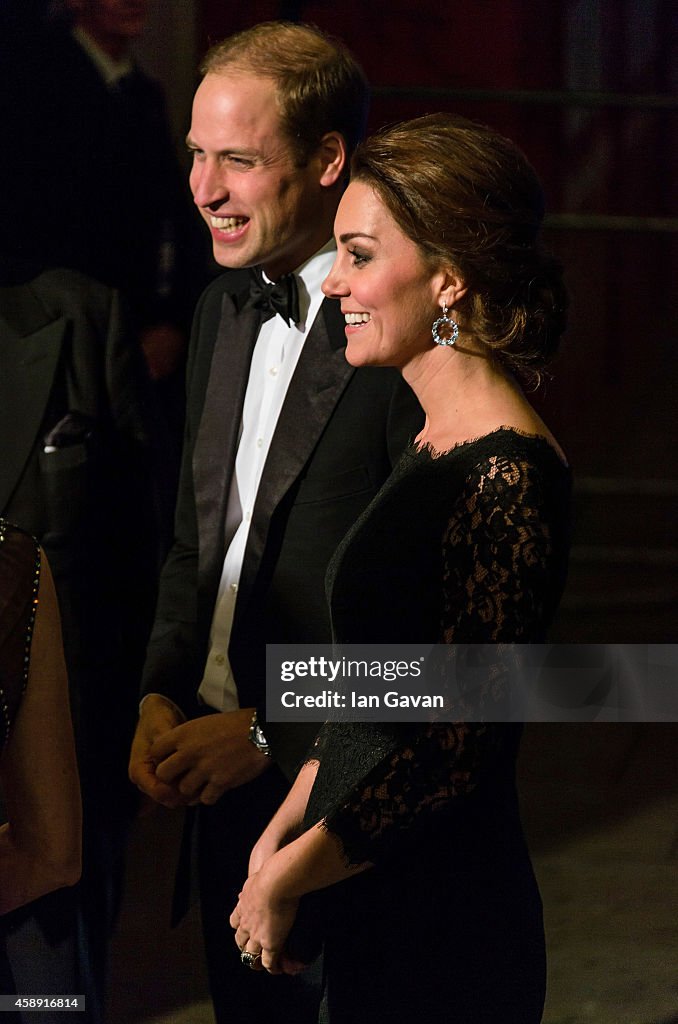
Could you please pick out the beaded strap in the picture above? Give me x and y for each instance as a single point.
(5, 709)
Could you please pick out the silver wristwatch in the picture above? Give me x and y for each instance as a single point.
(256, 736)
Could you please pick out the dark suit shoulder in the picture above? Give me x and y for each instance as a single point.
(231, 282)
(53, 294)
(206, 319)
(334, 322)
(63, 288)
(56, 71)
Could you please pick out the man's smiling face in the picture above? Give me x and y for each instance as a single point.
(260, 206)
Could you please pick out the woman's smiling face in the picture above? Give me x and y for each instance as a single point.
(389, 295)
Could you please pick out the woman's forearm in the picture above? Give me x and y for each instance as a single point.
(287, 822)
(282, 869)
(313, 861)
(268, 902)
(288, 818)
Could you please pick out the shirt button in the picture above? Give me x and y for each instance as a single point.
(260, 442)
(248, 516)
(273, 371)
(219, 658)
(234, 588)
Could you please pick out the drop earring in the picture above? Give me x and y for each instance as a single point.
(449, 327)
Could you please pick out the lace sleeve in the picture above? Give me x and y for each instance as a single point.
(496, 551)
(317, 748)
(497, 556)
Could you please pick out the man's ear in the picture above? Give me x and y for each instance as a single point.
(332, 156)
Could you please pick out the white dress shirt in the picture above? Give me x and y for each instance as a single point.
(275, 357)
(110, 70)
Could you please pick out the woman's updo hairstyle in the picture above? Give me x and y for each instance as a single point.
(468, 198)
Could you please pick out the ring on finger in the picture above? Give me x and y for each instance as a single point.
(249, 959)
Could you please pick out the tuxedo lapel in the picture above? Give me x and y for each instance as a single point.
(27, 367)
(219, 431)
(320, 377)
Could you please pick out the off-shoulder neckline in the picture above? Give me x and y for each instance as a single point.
(427, 450)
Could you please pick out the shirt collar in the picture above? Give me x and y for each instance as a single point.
(310, 275)
(110, 70)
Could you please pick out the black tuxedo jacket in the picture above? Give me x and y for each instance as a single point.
(83, 490)
(339, 433)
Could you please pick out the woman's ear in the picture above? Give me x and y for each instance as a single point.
(332, 153)
(453, 289)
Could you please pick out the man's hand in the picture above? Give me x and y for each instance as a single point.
(158, 716)
(203, 758)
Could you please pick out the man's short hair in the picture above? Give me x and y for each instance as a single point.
(319, 84)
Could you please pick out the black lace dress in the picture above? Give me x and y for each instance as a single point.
(465, 547)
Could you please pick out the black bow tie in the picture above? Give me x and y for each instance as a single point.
(281, 297)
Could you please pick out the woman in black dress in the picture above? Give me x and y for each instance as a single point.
(40, 841)
(411, 832)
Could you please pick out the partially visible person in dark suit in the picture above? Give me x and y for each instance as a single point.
(76, 474)
(91, 181)
(285, 446)
(94, 182)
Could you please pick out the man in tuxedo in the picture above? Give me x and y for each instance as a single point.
(285, 446)
(76, 456)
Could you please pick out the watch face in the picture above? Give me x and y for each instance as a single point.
(258, 739)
